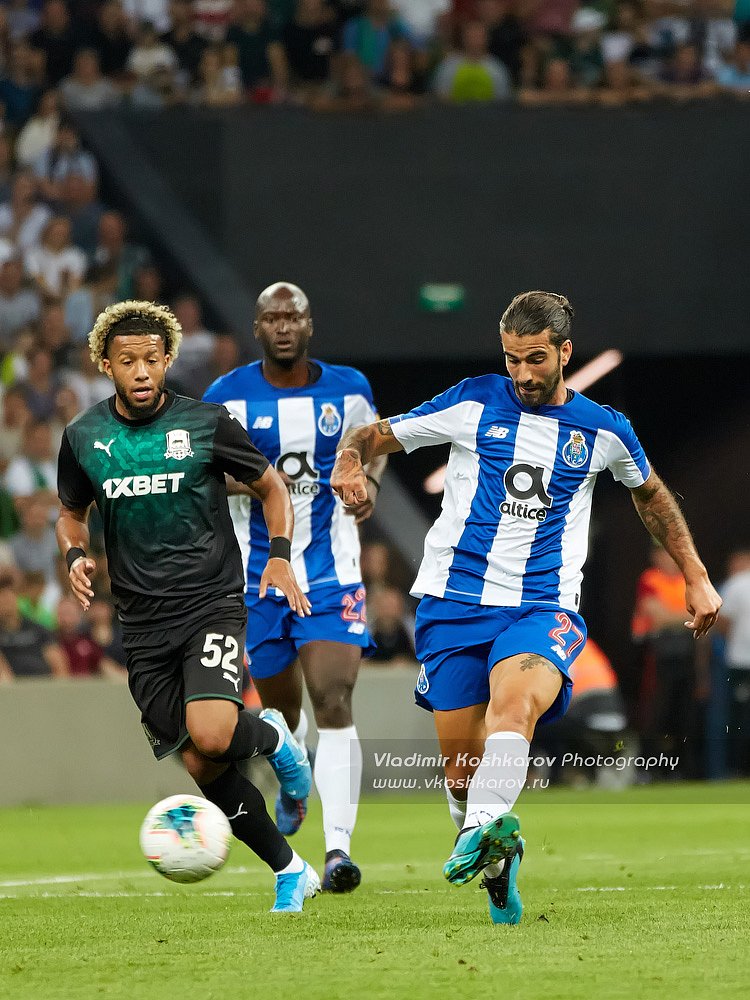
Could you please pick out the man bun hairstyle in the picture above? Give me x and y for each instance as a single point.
(133, 317)
(532, 312)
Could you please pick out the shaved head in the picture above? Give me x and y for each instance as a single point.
(282, 291)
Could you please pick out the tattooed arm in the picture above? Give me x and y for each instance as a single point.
(358, 448)
(664, 521)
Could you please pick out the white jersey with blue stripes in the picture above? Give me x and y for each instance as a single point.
(298, 431)
(518, 488)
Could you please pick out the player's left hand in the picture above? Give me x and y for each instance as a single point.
(279, 573)
(703, 603)
(364, 510)
(348, 479)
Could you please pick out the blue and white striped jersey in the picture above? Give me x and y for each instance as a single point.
(518, 488)
(298, 431)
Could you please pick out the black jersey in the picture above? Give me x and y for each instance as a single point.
(159, 485)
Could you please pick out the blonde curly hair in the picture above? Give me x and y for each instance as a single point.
(135, 317)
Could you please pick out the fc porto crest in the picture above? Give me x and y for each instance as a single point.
(178, 445)
(423, 684)
(329, 421)
(576, 452)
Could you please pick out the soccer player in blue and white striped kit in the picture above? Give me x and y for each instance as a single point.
(295, 410)
(498, 624)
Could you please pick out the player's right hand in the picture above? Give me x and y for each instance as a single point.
(348, 479)
(80, 580)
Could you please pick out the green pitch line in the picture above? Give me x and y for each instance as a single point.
(642, 894)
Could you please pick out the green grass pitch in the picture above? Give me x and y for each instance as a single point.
(637, 894)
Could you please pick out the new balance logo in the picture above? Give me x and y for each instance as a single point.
(497, 432)
(141, 486)
(263, 423)
(98, 446)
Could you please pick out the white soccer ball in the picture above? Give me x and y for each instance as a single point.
(186, 838)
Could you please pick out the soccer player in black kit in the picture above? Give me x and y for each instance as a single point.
(154, 463)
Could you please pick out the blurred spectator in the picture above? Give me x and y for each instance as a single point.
(38, 134)
(263, 62)
(56, 265)
(87, 382)
(192, 367)
(58, 38)
(85, 656)
(15, 416)
(350, 89)
(226, 356)
(116, 261)
(26, 649)
(310, 41)
(218, 85)
(668, 686)
(6, 168)
(369, 36)
(22, 218)
(585, 54)
(375, 563)
(507, 36)
(20, 85)
(86, 89)
(150, 54)
(423, 18)
(157, 91)
(212, 18)
(558, 87)
(64, 157)
(22, 18)
(387, 613)
(106, 629)
(154, 12)
(54, 335)
(111, 40)
(734, 622)
(67, 408)
(19, 306)
(551, 19)
(403, 85)
(734, 75)
(33, 472)
(37, 599)
(622, 85)
(41, 384)
(148, 283)
(34, 548)
(471, 73)
(684, 77)
(187, 46)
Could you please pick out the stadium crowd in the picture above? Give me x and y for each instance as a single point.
(358, 55)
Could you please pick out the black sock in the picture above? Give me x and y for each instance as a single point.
(251, 736)
(243, 805)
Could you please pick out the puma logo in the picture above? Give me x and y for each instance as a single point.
(234, 680)
(98, 446)
(240, 812)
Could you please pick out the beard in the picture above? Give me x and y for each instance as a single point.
(542, 391)
(136, 410)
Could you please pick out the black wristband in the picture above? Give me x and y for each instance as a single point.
(72, 554)
(281, 548)
(371, 479)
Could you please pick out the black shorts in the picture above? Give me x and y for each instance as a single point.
(168, 667)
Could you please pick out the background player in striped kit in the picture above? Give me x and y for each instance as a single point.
(498, 624)
(295, 411)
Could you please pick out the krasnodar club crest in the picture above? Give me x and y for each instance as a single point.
(178, 445)
(575, 453)
(329, 421)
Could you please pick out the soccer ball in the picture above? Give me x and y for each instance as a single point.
(186, 838)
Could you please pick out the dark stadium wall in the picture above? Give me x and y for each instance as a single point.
(637, 216)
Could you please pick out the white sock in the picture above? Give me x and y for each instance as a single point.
(499, 779)
(338, 776)
(295, 865)
(300, 733)
(457, 808)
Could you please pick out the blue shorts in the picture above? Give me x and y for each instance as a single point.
(458, 645)
(275, 633)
